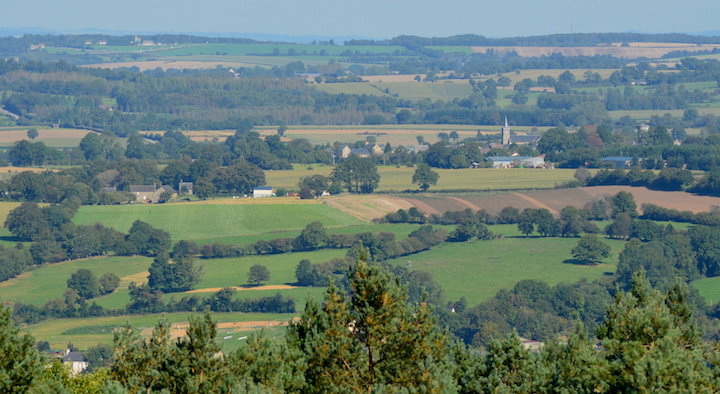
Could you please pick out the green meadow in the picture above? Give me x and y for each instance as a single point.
(42, 284)
(198, 221)
(477, 270)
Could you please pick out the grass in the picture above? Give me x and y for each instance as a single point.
(219, 218)
(399, 179)
(50, 281)
(233, 271)
(478, 270)
(709, 288)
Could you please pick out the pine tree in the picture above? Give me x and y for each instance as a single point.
(371, 339)
(652, 343)
(20, 363)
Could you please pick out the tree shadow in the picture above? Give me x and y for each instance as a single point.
(580, 262)
(10, 238)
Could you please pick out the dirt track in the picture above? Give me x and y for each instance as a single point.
(242, 288)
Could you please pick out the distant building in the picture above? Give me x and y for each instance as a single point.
(143, 193)
(185, 188)
(517, 161)
(75, 361)
(506, 133)
(259, 192)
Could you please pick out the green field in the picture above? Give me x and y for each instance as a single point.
(202, 221)
(50, 281)
(478, 269)
(399, 179)
(709, 288)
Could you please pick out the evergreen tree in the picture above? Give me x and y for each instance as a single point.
(371, 339)
(20, 363)
(651, 342)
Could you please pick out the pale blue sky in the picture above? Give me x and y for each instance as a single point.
(369, 18)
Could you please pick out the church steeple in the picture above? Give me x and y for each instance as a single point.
(506, 133)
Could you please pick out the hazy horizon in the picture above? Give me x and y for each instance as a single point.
(373, 19)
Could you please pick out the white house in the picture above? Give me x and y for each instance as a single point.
(75, 361)
(259, 192)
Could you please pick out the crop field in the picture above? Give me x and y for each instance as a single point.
(87, 332)
(478, 269)
(400, 178)
(52, 137)
(217, 218)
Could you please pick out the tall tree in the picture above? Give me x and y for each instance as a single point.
(424, 176)
(370, 338)
(356, 174)
(258, 273)
(21, 364)
(652, 344)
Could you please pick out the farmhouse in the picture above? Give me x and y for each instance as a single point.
(259, 192)
(75, 361)
(143, 193)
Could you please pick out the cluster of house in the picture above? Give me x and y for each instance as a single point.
(153, 194)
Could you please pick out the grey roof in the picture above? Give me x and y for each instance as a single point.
(169, 188)
(266, 188)
(360, 151)
(528, 139)
(74, 357)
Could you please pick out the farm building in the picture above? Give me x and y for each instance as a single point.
(517, 161)
(143, 193)
(259, 192)
(185, 188)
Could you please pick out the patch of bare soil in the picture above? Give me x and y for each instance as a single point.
(243, 288)
(368, 207)
(556, 199)
(180, 329)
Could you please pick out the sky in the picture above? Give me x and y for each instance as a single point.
(369, 18)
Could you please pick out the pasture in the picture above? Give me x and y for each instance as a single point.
(478, 269)
(44, 283)
(206, 220)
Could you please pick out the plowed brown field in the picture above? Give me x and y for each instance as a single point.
(376, 206)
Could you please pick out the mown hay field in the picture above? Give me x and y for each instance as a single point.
(481, 179)
(87, 332)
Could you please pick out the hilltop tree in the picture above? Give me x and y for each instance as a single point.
(424, 176)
